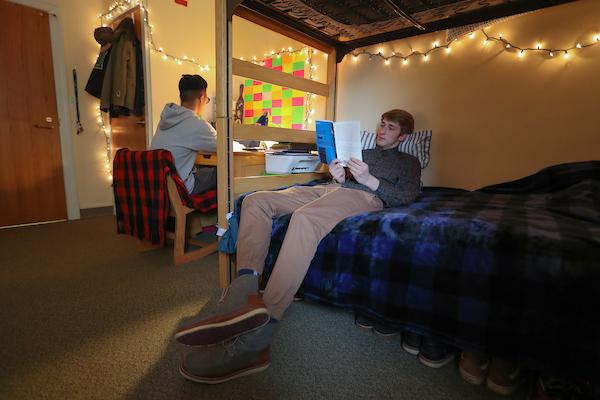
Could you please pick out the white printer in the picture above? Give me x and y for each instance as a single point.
(290, 162)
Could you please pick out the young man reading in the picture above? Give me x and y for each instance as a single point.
(243, 322)
(183, 132)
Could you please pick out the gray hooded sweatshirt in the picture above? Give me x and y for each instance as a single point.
(183, 133)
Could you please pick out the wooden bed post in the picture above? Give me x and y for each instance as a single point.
(332, 83)
(230, 186)
(223, 16)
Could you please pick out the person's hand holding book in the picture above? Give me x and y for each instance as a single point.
(337, 171)
(360, 172)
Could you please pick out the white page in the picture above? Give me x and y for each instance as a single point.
(347, 140)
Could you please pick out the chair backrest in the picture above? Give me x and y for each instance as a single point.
(141, 199)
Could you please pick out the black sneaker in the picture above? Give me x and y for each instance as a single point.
(385, 331)
(435, 353)
(364, 322)
(411, 342)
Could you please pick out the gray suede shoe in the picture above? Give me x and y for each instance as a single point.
(246, 354)
(239, 310)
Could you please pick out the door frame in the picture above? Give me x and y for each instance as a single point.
(62, 102)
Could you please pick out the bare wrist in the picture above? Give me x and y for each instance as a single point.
(372, 183)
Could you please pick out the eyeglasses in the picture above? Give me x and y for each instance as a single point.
(207, 100)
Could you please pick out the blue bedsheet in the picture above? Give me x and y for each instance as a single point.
(512, 269)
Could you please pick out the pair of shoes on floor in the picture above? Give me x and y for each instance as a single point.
(233, 341)
(431, 352)
(501, 376)
(378, 328)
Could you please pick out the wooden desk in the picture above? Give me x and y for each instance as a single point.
(245, 163)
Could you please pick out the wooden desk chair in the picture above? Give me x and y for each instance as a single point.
(186, 227)
(147, 190)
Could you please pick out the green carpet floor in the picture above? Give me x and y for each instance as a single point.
(85, 316)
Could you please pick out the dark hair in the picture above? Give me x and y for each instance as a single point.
(402, 118)
(191, 87)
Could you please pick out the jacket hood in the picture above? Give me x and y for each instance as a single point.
(174, 114)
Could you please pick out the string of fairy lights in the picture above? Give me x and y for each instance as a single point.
(507, 45)
(106, 130)
(118, 7)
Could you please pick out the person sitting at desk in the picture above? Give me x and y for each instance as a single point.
(183, 132)
(243, 322)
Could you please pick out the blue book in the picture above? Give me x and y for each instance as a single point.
(338, 140)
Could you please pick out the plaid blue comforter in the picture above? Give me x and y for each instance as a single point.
(512, 269)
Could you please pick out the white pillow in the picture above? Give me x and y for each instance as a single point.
(416, 144)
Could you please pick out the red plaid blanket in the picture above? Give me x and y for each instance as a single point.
(141, 198)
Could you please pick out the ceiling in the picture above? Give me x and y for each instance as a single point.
(348, 24)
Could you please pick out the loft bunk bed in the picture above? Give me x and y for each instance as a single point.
(506, 285)
(336, 28)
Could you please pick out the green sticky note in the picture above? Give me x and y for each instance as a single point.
(297, 114)
(287, 94)
(248, 97)
(276, 112)
(267, 87)
(299, 66)
(266, 104)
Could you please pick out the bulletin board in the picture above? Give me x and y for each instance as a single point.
(284, 105)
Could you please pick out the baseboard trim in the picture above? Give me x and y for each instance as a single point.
(96, 212)
(33, 224)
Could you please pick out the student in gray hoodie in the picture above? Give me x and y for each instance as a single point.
(183, 132)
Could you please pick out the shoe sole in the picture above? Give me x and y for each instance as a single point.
(470, 378)
(410, 349)
(363, 326)
(203, 334)
(221, 379)
(385, 335)
(500, 389)
(434, 364)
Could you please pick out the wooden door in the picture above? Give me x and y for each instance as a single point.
(31, 174)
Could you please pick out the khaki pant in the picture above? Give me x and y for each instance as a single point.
(316, 211)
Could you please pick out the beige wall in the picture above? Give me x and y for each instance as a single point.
(495, 117)
(78, 24)
(181, 31)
